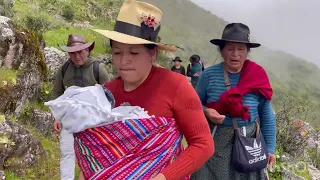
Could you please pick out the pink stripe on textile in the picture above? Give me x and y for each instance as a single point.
(134, 149)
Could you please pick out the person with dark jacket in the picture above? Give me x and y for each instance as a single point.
(178, 68)
(79, 70)
(194, 69)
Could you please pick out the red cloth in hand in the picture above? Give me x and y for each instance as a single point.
(254, 79)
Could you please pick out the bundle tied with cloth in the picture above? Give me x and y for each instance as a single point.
(115, 143)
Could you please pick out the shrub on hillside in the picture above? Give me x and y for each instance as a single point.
(45, 92)
(68, 12)
(37, 23)
(292, 134)
(291, 115)
(6, 8)
(162, 59)
(314, 153)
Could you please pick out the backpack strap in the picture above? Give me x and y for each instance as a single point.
(96, 70)
(228, 86)
(258, 127)
(65, 67)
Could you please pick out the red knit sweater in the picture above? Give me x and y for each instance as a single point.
(168, 94)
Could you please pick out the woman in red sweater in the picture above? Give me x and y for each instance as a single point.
(159, 91)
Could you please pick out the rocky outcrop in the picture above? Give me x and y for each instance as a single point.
(22, 58)
(20, 51)
(42, 121)
(314, 173)
(289, 175)
(6, 36)
(19, 150)
(54, 59)
(107, 61)
(2, 175)
(169, 57)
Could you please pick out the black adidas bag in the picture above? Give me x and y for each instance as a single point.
(249, 154)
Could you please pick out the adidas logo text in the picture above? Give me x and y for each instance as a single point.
(257, 159)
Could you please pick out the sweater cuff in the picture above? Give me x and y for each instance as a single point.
(204, 107)
(271, 150)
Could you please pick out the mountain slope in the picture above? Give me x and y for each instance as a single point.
(190, 26)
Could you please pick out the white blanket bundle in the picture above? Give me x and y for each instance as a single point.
(80, 108)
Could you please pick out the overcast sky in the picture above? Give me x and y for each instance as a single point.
(289, 25)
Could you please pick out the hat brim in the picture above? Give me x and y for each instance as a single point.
(127, 39)
(222, 41)
(177, 60)
(80, 47)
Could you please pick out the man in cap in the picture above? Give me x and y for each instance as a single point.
(79, 70)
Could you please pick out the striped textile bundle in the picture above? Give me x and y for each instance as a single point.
(133, 149)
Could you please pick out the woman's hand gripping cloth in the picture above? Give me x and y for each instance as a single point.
(133, 149)
(254, 79)
(80, 108)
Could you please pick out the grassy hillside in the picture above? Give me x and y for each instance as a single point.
(191, 27)
(56, 19)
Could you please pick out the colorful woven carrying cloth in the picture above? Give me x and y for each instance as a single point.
(133, 149)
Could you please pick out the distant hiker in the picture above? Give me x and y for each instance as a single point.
(194, 58)
(194, 69)
(148, 148)
(79, 70)
(178, 68)
(236, 96)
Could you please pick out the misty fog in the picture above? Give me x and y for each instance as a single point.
(289, 25)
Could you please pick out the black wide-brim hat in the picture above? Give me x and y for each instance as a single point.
(235, 32)
(177, 59)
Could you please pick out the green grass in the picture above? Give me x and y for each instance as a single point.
(2, 118)
(11, 176)
(56, 24)
(29, 106)
(7, 75)
(60, 36)
(304, 174)
(48, 167)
